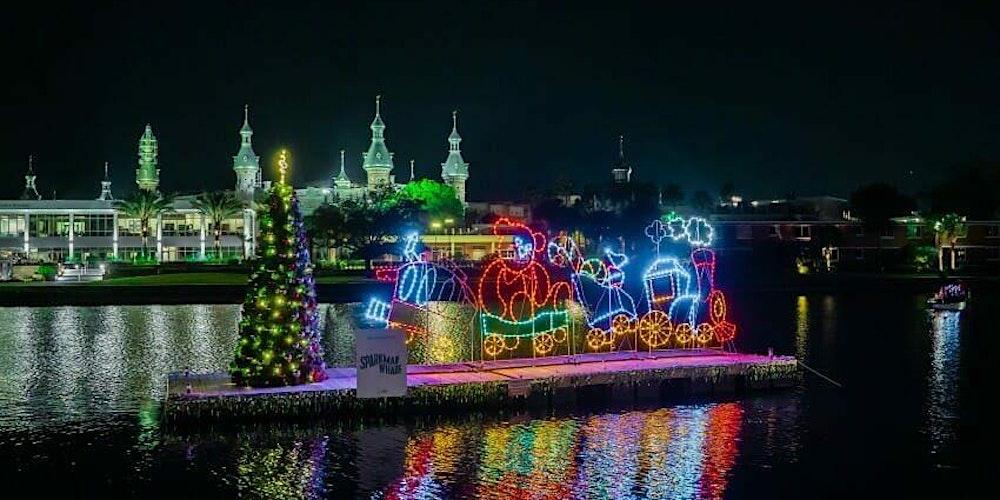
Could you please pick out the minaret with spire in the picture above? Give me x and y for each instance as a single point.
(106, 186)
(246, 163)
(342, 182)
(147, 176)
(454, 170)
(30, 191)
(378, 159)
(621, 171)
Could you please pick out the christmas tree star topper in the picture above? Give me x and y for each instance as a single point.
(282, 166)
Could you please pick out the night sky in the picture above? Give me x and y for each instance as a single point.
(780, 99)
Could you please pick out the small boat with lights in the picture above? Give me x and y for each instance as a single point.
(950, 297)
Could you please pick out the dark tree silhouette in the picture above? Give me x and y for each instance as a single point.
(672, 195)
(727, 190)
(702, 201)
(876, 204)
(972, 190)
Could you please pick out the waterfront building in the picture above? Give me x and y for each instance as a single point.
(65, 229)
(492, 210)
(60, 230)
(822, 228)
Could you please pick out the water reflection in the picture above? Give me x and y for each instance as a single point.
(81, 385)
(682, 452)
(829, 326)
(63, 364)
(338, 324)
(533, 459)
(801, 327)
(294, 471)
(942, 391)
(816, 327)
(16, 362)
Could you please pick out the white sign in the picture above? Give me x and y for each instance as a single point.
(381, 363)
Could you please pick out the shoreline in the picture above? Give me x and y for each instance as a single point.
(63, 294)
(87, 294)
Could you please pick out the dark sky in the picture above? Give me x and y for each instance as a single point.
(791, 98)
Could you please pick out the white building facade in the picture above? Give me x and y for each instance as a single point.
(64, 230)
(60, 230)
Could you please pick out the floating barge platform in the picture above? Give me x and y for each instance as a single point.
(553, 380)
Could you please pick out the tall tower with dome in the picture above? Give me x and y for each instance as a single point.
(246, 163)
(378, 160)
(147, 176)
(454, 170)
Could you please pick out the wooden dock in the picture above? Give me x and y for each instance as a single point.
(489, 383)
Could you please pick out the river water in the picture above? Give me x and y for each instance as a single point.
(79, 392)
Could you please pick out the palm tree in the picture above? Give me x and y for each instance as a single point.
(144, 205)
(947, 230)
(827, 237)
(218, 206)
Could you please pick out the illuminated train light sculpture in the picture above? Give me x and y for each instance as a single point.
(418, 283)
(682, 300)
(519, 299)
(523, 296)
(599, 286)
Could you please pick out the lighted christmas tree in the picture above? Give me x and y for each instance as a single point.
(279, 338)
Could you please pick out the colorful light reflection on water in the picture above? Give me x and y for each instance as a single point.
(79, 390)
(682, 452)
